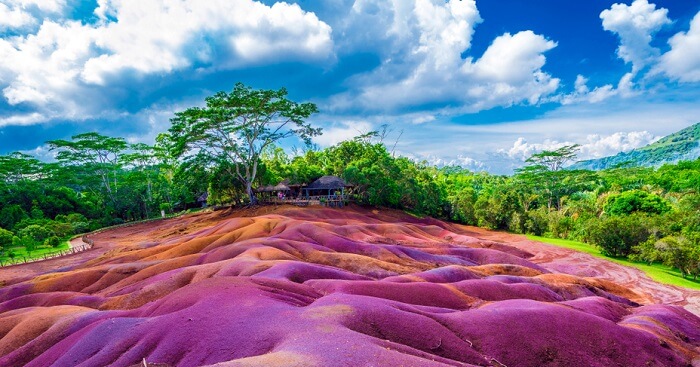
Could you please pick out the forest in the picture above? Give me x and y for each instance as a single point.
(644, 214)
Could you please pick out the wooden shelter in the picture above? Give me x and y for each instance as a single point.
(327, 190)
(331, 190)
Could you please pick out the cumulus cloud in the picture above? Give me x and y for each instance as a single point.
(594, 146)
(14, 17)
(522, 150)
(682, 61)
(635, 24)
(432, 35)
(582, 93)
(342, 131)
(67, 67)
(21, 14)
(597, 146)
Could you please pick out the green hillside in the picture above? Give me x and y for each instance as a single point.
(682, 145)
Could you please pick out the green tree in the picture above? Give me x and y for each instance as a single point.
(95, 155)
(17, 167)
(544, 172)
(628, 202)
(554, 160)
(237, 127)
(5, 238)
(35, 232)
(616, 236)
(11, 215)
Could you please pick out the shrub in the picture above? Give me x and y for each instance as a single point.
(537, 221)
(633, 201)
(11, 215)
(60, 229)
(80, 227)
(5, 238)
(29, 244)
(616, 236)
(560, 225)
(35, 232)
(52, 241)
(75, 218)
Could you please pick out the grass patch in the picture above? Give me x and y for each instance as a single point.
(658, 272)
(39, 252)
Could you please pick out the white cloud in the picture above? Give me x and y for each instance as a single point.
(594, 146)
(423, 118)
(682, 62)
(46, 6)
(342, 131)
(70, 69)
(22, 119)
(635, 24)
(511, 70)
(20, 14)
(14, 17)
(522, 150)
(153, 36)
(597, 146)
(582, 93)
(426, 66)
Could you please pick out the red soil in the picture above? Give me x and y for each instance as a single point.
(336, 287)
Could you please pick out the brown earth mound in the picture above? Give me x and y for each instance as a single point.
(284, 286)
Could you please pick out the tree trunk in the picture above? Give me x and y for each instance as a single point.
(251, 194)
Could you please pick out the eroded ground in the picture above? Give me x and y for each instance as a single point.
(322, 287)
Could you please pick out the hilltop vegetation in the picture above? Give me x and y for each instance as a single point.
(682, 145)
(647, 214)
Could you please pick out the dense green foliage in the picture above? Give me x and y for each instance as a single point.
(646, 214)
(233, 130)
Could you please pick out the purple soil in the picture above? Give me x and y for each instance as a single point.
(325, 287)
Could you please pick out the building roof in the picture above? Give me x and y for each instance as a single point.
(269, 188)
(328, 182)
(281, 187)
(265, 188)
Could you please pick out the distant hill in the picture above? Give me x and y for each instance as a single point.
(682, 145)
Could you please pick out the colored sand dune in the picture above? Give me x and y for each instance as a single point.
(324, 287)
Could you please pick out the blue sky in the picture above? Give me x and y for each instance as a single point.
(482, 84)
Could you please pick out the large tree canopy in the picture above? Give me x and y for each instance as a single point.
(233, 129)
(95, 154)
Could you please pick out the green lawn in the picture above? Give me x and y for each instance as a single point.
(660, 273)
(39, 252)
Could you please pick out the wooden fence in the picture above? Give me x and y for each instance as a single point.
(338, 201)
(87, 244)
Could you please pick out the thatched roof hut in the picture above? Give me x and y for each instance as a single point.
(266, 188)
(281, 187)
(328, 183)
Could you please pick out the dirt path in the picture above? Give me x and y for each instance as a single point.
(563, 260)
(76, 242)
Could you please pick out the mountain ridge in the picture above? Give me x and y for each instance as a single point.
(681, 145)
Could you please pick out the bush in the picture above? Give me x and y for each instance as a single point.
(75, 218)
(60, 229)
(5, 238)
(52, 241)
(537, 221)
(681, 254)
(560, 225)
(36, 233)
(29, 244)
(11, 215)
(633, 201)
(80, 227)
(616, 236)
